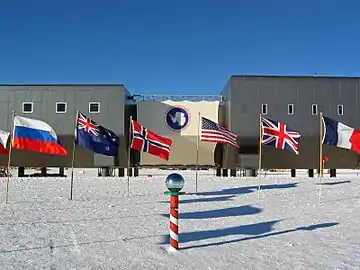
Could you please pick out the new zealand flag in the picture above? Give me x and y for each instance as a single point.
(95, 137)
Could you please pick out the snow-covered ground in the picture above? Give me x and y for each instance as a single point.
(226, 226)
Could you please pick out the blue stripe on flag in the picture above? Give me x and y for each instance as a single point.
(34, 134)
(331, 135)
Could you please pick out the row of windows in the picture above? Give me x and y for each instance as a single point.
(314, 109)
(94, 107)
(60, 107)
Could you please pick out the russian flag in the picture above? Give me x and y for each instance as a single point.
(340, 135)
(36, 136)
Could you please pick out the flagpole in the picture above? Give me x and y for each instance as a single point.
(260, 155)
(197, 155)
(73, 157)
(128, 161)
(9, 157)
(321, 163)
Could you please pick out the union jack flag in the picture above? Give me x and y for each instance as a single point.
(279, 135)
(144, 140)
(87, 125)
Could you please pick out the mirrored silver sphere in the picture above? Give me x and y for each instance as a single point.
(174, 182)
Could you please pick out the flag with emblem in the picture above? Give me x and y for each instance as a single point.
(279, 135)
(144, 140)
(90, 135)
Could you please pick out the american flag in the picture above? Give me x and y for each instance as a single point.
(87, 124)
(212, 132)
(279, 135)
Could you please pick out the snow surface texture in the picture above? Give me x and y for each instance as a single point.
(225, 226)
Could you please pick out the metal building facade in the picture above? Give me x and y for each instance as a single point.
(245, 97)
(57, 105)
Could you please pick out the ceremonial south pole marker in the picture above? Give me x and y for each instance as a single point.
(174, 183)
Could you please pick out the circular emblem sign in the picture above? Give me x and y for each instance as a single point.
(177, 118)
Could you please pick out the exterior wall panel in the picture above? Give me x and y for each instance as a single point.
(112, 102)
(249, 92)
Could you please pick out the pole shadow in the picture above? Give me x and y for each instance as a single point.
(201, 200)
(251, 229)
(220, 213)
(334, 183)
(262, 235)
(245, 190)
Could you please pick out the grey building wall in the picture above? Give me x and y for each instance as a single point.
(111, 98)
(245, 94)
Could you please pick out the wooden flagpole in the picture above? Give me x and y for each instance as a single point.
(128, 161)
(260, 154)
(197, 155)
(321, 162)
(73, 157)
(9, 157)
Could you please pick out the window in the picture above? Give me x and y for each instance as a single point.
(291, 109)
(264, 108)
(340, 109)
(61, 107)
(27, 107)
(94, 107)
(314, 109)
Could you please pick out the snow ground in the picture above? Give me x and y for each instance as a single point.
(225, 226)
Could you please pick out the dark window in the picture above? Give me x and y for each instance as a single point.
(264, 108)
(61, 107)
(291, 109)
(340, 109)
(314, 109)
(94, 107)
(28, 107)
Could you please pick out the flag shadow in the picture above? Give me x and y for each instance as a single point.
(251, 229)
(245, 190)
(220, 213)
(256, 231)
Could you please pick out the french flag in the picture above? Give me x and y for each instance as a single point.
(36, 136)
(340, 135)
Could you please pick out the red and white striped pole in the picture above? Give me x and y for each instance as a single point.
(174, 222)
(174, 182)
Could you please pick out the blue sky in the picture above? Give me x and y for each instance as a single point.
(175, 47)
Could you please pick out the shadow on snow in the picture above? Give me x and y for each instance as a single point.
(335, 183)
(220, 213)
(256, 231)
(200, 200)
(244, 190)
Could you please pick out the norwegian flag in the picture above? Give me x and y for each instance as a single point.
(279, 135)
(144, 140)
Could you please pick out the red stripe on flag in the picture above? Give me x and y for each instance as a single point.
(39, 146)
